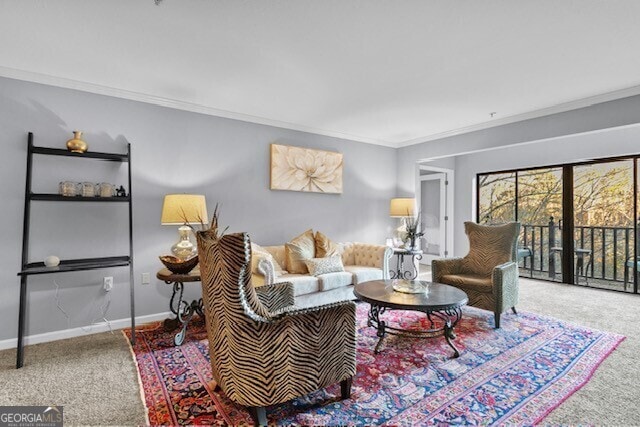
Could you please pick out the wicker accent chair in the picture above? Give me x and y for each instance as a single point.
(263, 351)
(489, 272)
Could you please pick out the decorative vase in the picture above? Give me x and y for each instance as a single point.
(412, 243)
(52, 261)
(76, 144)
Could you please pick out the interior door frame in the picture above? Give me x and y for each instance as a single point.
(447, 186)
(441, 178)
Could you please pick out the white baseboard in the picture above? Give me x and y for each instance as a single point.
(76, 332)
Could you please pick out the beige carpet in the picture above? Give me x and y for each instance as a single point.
(95, 379)
(612, 396)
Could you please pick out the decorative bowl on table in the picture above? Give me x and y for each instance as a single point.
(410, 286)
(177, 265)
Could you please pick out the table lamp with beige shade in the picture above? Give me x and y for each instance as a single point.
(182, 210)
(403, 208)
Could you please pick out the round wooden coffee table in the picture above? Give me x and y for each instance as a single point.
(441, 303)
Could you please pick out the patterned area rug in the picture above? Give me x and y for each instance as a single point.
(515, 375)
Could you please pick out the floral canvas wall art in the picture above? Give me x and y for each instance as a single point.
(304, 169)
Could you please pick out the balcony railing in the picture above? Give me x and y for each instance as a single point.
(602, 253)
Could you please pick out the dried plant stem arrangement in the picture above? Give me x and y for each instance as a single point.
(413, 230)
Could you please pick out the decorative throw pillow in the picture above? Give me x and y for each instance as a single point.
(298, 250)
(258, 253)
(318, 266)
(324, 246)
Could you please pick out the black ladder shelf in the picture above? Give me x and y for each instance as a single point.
(33, 268)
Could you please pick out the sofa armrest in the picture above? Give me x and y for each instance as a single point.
(505, 285)
(442, 267)
(263, 264)
(367, 255)
(276, 296)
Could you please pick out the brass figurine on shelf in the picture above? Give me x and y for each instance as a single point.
(76, 144)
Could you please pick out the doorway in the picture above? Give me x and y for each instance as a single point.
(434, 200)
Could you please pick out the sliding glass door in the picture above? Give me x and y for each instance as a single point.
(603, 198)
(579, 221)
(533, 197)
(540, 213)
(497, 198)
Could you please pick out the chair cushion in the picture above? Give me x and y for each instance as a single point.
(363, 274)
(324, 246)
(468, 281)
(489, 246)
(318, 266)
(302, 283)
(334, 280)
(298, 250)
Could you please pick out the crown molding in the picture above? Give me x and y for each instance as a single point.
(176, 104)
(559, 108)
(50, 80)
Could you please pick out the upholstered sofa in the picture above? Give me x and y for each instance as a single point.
(362, 262)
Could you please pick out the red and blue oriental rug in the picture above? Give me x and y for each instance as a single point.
(514, 375)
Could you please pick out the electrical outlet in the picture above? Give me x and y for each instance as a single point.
(107, 283)
(146, 278)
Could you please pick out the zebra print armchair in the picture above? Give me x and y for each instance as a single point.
(489, 272)
(263, 351)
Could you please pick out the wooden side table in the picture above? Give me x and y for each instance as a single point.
(183, 310)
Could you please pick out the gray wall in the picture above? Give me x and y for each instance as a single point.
(613, 142)
(601, 130)
(172, 151)
(228, 161)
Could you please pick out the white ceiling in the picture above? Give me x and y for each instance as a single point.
(386, 72)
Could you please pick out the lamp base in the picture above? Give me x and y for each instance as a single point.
(401, 231)
(184, 248)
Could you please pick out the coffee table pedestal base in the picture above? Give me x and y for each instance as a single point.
(449, 319)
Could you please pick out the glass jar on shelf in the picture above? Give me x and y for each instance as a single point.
(69, 188)
(88, 189)
(106, 190)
